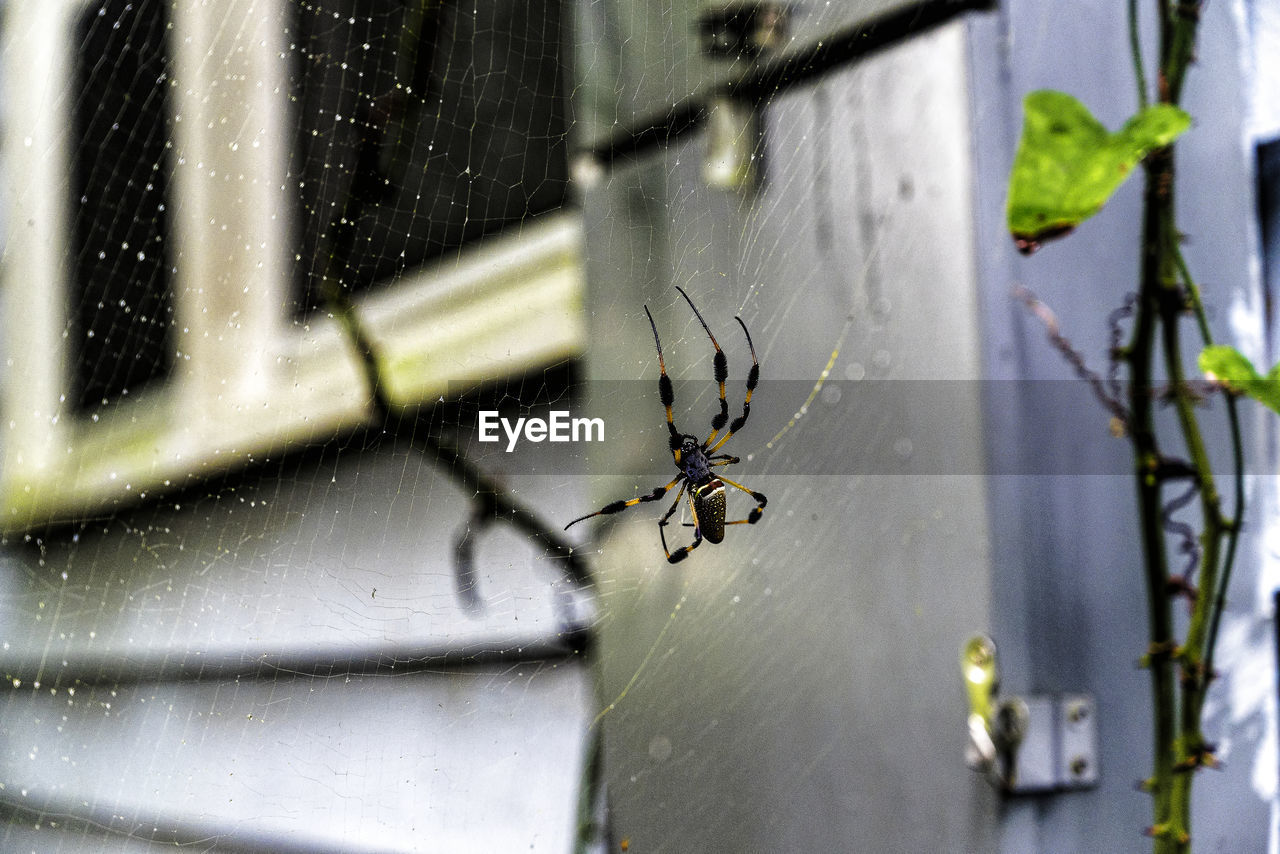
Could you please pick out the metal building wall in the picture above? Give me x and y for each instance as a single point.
(795, 688)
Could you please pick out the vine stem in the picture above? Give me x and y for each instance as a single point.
(1167, 292)
(1147, 456)
(1135, 49)
(1237, 464)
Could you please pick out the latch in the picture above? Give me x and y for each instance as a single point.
(1026, 744)
(739, 30)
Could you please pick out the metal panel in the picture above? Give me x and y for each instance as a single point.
(795, 687)
(487, 760)
(276, 572)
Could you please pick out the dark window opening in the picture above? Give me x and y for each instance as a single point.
(421, 128)
(121, 305)
(1268, 165)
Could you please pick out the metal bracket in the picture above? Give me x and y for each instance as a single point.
(731, 31)
(743, 28)
(1024, 745)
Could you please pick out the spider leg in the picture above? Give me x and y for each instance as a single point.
(618, 506)
(665, 391)
(682, 552)
(755, 514)
(753, 379)
(720, 365)
(724, 460)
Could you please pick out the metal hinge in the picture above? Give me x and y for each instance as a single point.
(1031, 744)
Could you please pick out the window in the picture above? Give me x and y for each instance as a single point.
(178, 188)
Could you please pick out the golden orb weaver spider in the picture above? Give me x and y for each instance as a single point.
(695, 459)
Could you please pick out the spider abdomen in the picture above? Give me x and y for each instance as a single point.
(708, 506)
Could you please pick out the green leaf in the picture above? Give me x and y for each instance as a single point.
(1229, 367)
(1273, 375)
(1068, 164)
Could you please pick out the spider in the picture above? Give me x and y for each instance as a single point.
(695, 459)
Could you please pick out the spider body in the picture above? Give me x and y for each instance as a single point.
(705, 489)
(695, 460)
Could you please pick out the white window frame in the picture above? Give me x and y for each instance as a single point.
(247, 379)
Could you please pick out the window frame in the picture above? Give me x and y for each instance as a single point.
(248, 378)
